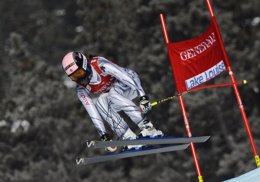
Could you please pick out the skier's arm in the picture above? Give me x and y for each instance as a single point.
(122, 75)
(87, 102)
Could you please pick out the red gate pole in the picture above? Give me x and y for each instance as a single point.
(187, 125)
(231, 75)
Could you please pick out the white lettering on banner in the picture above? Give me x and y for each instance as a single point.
(203, 46)
(205, 76)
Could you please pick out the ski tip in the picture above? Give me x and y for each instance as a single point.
(206, 138)
(200, 139)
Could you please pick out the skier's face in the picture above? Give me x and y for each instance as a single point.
(80, 76)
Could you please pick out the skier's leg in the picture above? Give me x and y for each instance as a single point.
(120, 102)
(146, 126)
(115, 121)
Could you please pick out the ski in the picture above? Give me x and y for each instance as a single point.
(146, 141)
(130, 153)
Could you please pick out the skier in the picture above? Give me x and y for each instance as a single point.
(104, 89)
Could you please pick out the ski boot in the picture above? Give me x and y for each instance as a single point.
(106, 137)
(148, 130)
(130, 135)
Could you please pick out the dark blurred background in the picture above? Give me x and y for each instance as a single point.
(42, 123)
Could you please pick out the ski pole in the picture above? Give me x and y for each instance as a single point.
(243, 82)
(164, 100)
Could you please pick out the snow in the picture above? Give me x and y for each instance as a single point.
(20, 124)
(252, 176)
(255, 21)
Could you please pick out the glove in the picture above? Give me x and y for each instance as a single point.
(145, 105)
(106, 137)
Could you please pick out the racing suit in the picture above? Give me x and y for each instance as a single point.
(111, 89)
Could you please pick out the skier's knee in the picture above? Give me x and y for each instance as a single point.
(102, 100)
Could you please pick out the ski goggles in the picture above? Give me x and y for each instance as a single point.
(81, 76)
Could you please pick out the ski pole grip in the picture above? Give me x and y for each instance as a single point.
(154, 104)
(244, 82)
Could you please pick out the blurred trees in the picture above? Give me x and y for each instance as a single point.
(36, 35)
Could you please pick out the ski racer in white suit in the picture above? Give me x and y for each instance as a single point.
(104, 89)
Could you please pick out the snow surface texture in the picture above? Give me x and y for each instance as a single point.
(252, 176)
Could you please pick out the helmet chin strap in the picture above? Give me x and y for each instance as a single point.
(85, 63)
(84, 81)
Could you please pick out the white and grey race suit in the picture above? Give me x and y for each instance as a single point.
(111, 89)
